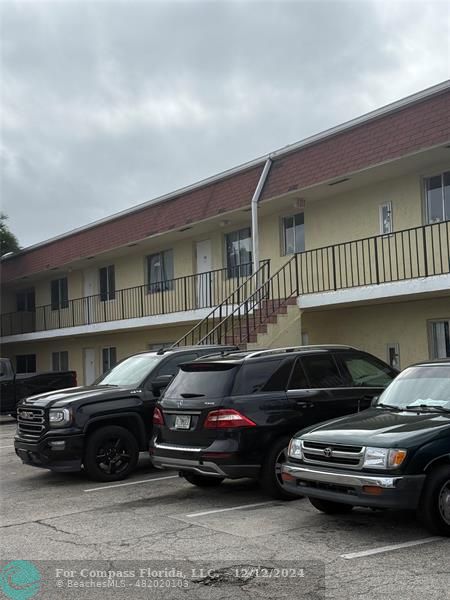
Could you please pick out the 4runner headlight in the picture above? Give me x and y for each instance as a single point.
(59, 417)
(383, 458)
(295, 448)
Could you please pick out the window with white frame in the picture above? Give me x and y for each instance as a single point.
(25, 301)
(26, 363)
(440, 339)
(294, 233)
(393, 355)
(60, 361)
(107, 283)
(109, 358)
(437, 197)
(238, 246)
(59, 293)
(386, 221)
(160, 271)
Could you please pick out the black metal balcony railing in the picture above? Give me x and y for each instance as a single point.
(407, 254)
(181, 294)
(404, 255)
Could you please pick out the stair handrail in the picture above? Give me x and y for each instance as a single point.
(264, 264)
(261, 293)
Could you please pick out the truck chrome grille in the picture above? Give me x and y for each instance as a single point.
(30, 422)
(336, 455)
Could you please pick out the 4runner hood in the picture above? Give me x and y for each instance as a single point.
(380, 428)
(59, 398)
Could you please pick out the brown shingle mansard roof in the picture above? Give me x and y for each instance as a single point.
(410, 125)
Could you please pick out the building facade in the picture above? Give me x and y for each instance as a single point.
(353, 229)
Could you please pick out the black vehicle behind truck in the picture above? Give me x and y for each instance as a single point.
(233, 416)
(15, 386)
(103, 427)
(394, 455)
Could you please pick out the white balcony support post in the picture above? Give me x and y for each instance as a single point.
(254, 206)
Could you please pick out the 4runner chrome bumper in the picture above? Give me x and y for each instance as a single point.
(355, 488)
(345, 479)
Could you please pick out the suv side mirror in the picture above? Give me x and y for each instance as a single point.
(159, 383)
(374, 401)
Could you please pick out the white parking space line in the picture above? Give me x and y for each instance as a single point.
(3, 447)
(392, 547)
(108, 487)
(220, 510)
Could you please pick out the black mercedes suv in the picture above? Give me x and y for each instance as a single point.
(233, 416)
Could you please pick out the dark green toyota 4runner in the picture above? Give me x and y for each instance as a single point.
(395, 454)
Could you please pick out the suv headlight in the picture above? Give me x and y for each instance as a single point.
(59, 417)
(383, 458)
(295, 448)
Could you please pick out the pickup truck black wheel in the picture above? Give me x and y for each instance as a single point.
(270, 478)
(330, 507)
(201, 480)
(434, 507)
(111, 454)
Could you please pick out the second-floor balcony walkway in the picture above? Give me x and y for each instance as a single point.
(409, 254)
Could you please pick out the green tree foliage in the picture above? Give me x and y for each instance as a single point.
(8, 241)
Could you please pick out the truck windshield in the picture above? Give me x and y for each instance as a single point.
(131, 371)
(426, 387)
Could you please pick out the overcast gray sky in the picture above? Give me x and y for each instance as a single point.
(107, 104)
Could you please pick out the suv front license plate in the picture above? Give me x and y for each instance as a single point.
(182, 421)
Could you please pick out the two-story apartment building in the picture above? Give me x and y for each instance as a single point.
(341, 238)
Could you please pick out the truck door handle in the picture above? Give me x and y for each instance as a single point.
(304, 404)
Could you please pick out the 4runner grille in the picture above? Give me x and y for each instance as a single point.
(333, 454)
(30, 422)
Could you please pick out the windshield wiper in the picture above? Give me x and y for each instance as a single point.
(389, 406)
(187, 395)
(427, 408)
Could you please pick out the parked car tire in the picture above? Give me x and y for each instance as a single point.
(331, 508)
(203, 481)
(434, 506)
(270, 478)
(111, 454)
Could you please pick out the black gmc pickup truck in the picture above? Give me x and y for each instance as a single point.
(15, 386)
(395, 454)
(103, 427)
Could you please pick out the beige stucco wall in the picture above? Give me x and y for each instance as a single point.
(371, 328)
(337, 218)
(125, 343)
(355, 214)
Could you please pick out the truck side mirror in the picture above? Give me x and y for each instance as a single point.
(158, 384)
(374, 401)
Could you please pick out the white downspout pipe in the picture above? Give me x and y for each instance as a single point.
(254, 205)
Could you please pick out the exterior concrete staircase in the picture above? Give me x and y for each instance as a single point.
(258, 311)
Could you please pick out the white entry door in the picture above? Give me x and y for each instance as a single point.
(90, 279)
(204, 265)
(90, 373)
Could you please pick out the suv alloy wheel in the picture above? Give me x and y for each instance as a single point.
(270, 479)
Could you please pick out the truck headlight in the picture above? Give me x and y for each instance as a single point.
(295, 448)
(59, 417)
(383, 458)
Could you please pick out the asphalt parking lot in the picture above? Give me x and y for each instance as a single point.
(156, 516)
